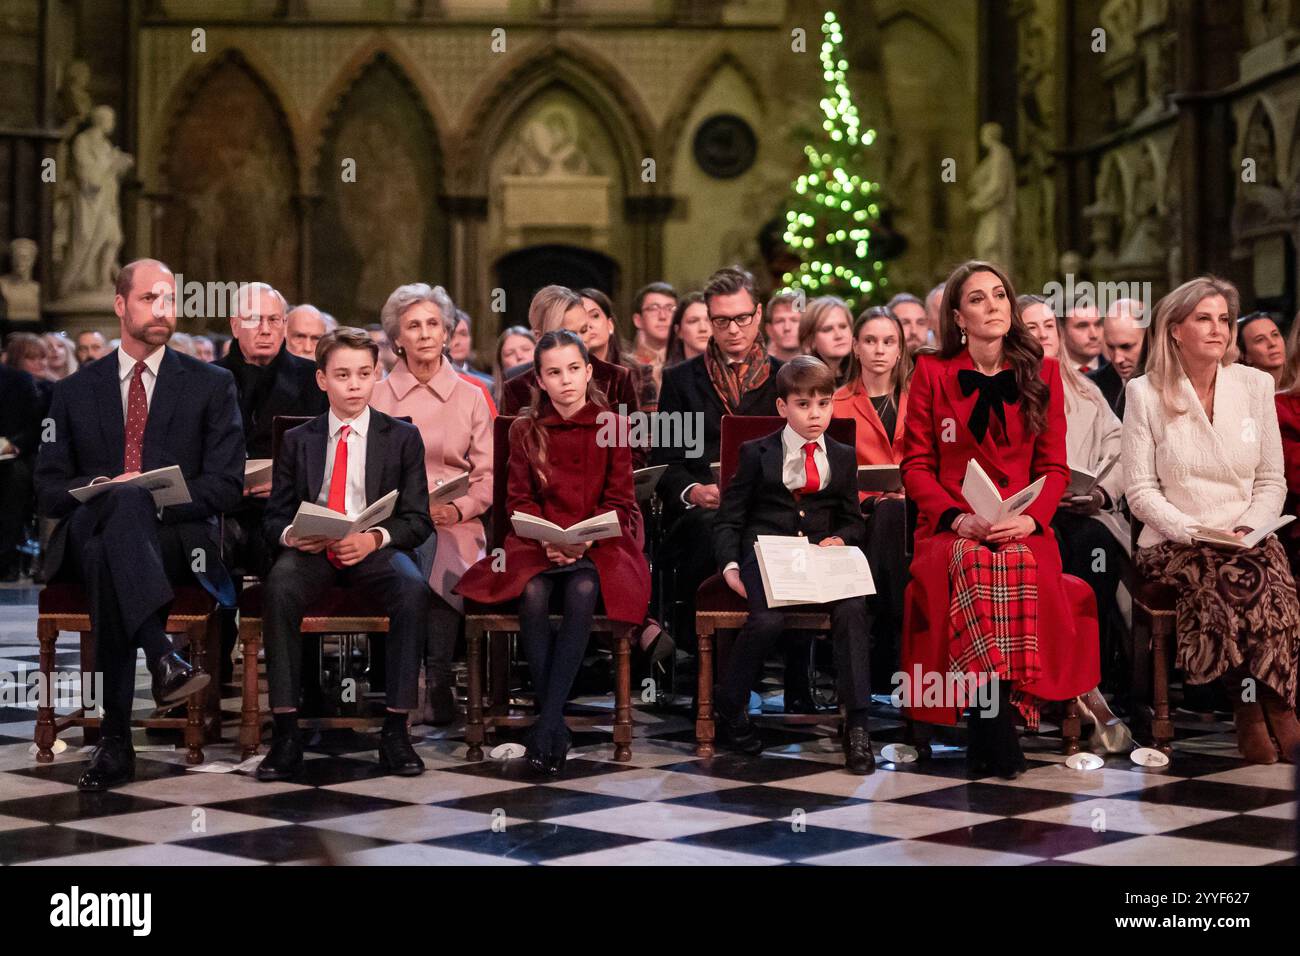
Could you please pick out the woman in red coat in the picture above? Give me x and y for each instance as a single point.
(992, 595)
(1288, 421)
(562, 470)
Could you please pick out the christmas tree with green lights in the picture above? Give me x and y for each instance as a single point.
(835, 205)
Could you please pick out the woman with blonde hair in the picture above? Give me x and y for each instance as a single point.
(62, 356)
(825, 331)
(556, 307)
(1202, 448)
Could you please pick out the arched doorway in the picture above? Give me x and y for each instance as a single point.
(523, 272)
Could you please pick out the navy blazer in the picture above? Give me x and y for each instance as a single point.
(193, 422)
(757, 501)
(394, 459)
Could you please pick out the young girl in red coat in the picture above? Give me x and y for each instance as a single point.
(993, 598)
(560, 471)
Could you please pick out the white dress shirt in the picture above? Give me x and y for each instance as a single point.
(125, 368)
(794, 467)
(355, 487)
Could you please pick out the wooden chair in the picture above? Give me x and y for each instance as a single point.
(719, 611)
(1154, 633)
(492, 626)
(341, 611)
(65, 607)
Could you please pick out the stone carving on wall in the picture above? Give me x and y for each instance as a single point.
(993, 199)
(95, 226)
(548, 145)
(1105, 215)
(20, 294)
(1268, 19)
(1261, 202)
(375, 232)
(1119, 18)
(1036, 214)
(1144, 246)
(386, 220)
(231, 181)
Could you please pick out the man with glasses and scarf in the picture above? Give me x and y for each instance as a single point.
(734, 376)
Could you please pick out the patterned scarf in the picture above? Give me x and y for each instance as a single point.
(730, 383)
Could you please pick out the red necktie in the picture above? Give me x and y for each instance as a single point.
(338, 499)
(814, 480)
(137, 416)
(1084, 369)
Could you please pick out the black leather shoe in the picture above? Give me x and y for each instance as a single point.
(798, 704)
(284, 759)
(858, 757)
(557, 753)
(738, 731)
(442, 706)
(174, 680)
(397, 756)
(111, 765)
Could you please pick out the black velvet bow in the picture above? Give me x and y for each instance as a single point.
(995, 390)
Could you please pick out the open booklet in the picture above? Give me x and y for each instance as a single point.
(317, 521)
(257, 471)
(880, 478)
(449, 489)
(167, 485)
(1083, 481)
(796, 571)
(589, 529)
(986, 501)
(1226, 539)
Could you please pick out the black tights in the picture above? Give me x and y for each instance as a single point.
(554, 662)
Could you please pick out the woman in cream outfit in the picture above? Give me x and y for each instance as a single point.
(1202, 447)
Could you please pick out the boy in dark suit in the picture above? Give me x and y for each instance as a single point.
(141, 407)
(794, 482)
(347, 459)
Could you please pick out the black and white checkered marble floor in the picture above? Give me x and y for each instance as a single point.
(794, 804)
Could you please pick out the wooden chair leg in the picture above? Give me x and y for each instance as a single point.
(194, 703)
(623, 694)
(250, 723)
(89, 732)
(1162, 726)
(47, 634)
(1140, 682)
(704, 727)
(212, 729)
(474, 705)
(1070, 727)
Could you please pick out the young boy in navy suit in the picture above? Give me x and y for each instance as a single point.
(346, 460)
(794, 482)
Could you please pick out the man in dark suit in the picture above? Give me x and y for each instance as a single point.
(139, 408)
(1124, 334)
(20, 429)
(735, 376)
(270, 381)
(794, 482)
(346, 460)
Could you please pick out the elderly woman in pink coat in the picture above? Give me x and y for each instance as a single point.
(456, 424)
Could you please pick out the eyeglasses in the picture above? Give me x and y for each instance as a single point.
(273, 322)
(720, 322)
(658, 307)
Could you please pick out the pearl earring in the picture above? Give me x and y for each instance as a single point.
(963, 336)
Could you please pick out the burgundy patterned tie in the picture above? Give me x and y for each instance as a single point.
(137, 415)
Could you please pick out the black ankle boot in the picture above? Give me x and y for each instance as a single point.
(1007, 758)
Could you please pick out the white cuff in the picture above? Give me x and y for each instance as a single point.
(384, 537)
(685, 492)
(730, 565)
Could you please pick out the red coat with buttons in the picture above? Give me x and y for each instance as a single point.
(585, 477)
(937, 444)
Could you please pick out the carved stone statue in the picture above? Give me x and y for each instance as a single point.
(1119, 18)
(993, 199)
(548, 145)
(95, 236)
(19, 292)
(75, 105)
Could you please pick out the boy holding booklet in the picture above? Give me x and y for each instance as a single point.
(562, 473)
(794, 482)
(344, 460)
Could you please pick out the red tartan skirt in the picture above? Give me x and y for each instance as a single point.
(1062, 662)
